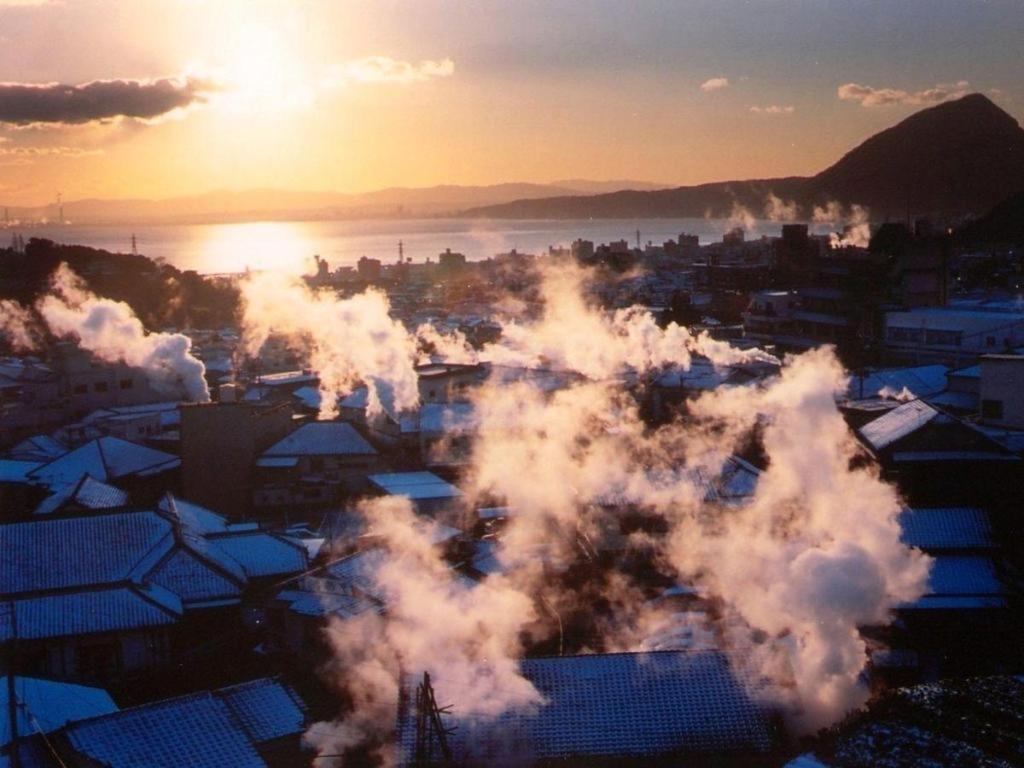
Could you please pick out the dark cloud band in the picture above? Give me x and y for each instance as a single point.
(25, 104)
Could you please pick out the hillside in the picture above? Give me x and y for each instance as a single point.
(1004, 224)
(960, 157)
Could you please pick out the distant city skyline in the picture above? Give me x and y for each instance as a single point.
(160, 98)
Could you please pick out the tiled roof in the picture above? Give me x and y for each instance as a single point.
(195, 731)
(94, 610)
(212, 729)
(194, 516)
(622, 705)
(322, 438)
(940, 528)
(359, 571)
(194, 581)
(88, 493)
(61, 553)
(266, 709)
(106, 459)
(961, 581)
(263, 554)
(417, 486)
(51, 704)
(320, 604)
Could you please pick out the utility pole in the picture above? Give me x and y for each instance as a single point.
(8, 618)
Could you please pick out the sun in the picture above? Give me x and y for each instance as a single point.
(260, 72)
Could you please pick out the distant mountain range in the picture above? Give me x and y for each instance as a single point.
(957, 158)
(247, 205)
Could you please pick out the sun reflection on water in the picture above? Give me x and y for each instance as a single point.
(264, 245)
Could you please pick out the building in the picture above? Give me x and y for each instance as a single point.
(429, 494)
(950, 335)
(220, 444)
(657, 708)
(1002, 390)
(315, 465)
(250, 725)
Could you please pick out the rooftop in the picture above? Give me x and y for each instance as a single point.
(417, 486)
(322, 438)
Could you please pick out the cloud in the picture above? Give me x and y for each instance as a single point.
(57, 151)
(883, 97)
(774, 109)
(58, 103)
(714, 84)
(384, 69)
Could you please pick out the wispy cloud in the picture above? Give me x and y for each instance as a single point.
(56, 103)
(384, 69)
(774, 109)
(714, 84)
(882, 97)
(56, 151)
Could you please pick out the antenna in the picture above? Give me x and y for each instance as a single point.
(430, 730)
(135, 246)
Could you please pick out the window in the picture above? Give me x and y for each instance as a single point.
(126, 384)
(81, 389)
(991, 409)
(100, 386)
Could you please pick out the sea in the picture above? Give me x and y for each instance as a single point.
(290, 246)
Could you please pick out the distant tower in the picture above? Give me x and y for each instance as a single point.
(638, 239)
(401, 251)
(135, 246)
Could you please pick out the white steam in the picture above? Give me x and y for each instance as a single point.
(111, 331)
(348, 342)
(856, 223)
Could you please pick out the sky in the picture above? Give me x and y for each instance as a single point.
(161, 98)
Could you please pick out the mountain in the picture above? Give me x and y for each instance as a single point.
(1004, 224)
(231, 205)
(955, 158)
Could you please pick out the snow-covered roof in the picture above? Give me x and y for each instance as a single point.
(88, 493)
(110, 609)
(13, 471)
(322, 438)
(194, 516)
(46, 705)
(618, 705)
(921, 381)
(106, 459)
(212, 729)
(263, 554)
(38, 448)
(438, 418)
(944, 528)
(961, 582)
(416, 486)
(308, 396)
(897, 423)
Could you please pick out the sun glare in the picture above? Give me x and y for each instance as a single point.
(258, 246)
(261, 73)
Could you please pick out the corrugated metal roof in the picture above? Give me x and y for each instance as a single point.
(921, 380)
(897, 423)
(322, 438)
(623, 705)
(415, 485)
(52, 704)
(99, 610)
(106, 459)
(938, 528)
(78, 551)
(267, 709)
(263, 554)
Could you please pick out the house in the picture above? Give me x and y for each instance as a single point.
(315, 465)
(86, 494)
(937, 458)
(429, 494)
(144, 472)
(100, 596)
(43, 706)
(654, 708)
(249, 725)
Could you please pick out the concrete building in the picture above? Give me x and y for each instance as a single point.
(220, 444)
(950, 335)
(1002, 390)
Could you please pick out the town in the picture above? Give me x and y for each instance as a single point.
(216, 547)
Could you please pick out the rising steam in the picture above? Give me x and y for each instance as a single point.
(797, 569)
(111, 331)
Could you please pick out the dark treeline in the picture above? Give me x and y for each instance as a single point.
(159, 294)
